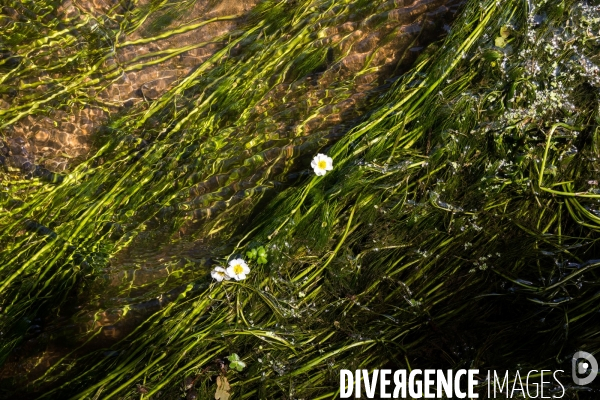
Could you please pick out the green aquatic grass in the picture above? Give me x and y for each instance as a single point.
(458, 228)
(198, 158)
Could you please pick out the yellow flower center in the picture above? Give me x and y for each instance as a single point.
(322, 164)
(238, 269)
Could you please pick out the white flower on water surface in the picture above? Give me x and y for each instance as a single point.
(238, 269)
(219, 273)
(321, 164)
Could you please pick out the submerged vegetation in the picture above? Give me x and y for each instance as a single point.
(457, 227)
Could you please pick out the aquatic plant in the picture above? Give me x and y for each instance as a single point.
(458, 230)
(174, 172)
(321, 164)
(238, 269)
(220, 274)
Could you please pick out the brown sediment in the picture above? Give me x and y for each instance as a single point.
(386, 42)
(64, 136)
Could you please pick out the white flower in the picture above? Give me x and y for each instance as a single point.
(219, 273)
(321, 164)
(238, 269)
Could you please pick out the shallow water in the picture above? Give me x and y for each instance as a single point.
(58, 119)
(456, 229)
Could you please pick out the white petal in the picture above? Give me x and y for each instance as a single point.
(241, 277)
(246, 269)
(329, 166)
